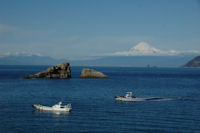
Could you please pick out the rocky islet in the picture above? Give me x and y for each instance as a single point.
(63, 71)
(60, 71)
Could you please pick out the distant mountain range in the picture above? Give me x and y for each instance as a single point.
(29, 60)
(141, 55)
(123, 61)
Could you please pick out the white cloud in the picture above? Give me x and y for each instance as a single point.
(23, 53)
(145, 49)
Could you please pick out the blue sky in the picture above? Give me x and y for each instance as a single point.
(84, 28)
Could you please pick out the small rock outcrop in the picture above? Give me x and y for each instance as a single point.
(194, 62)
(59, 71)
(90, 73)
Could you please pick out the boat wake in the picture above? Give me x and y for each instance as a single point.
(162, 99)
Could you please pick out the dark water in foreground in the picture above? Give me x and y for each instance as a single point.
(93, 106)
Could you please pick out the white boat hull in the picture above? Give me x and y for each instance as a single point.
(46, 108)
(130, 99)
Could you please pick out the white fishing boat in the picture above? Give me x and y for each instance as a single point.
(56, 107)
(130, 98)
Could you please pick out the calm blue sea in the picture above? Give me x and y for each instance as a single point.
(94, 109)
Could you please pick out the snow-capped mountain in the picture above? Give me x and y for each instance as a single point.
(144, 49)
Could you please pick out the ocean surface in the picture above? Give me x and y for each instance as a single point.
(94, 109)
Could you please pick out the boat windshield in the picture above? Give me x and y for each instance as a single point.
(129, 95)
(58, 105)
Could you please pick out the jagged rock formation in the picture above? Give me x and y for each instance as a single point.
(90, 73)
(59, 71)
(194, 62)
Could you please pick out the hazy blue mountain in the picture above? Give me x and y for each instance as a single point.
(194, 62)
(29, 60)
(137, 61)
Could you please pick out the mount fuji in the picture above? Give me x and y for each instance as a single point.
(144, 49)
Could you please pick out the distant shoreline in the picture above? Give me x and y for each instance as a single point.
(90, 66)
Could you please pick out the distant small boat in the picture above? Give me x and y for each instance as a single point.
(56, 107)
(130, 98)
